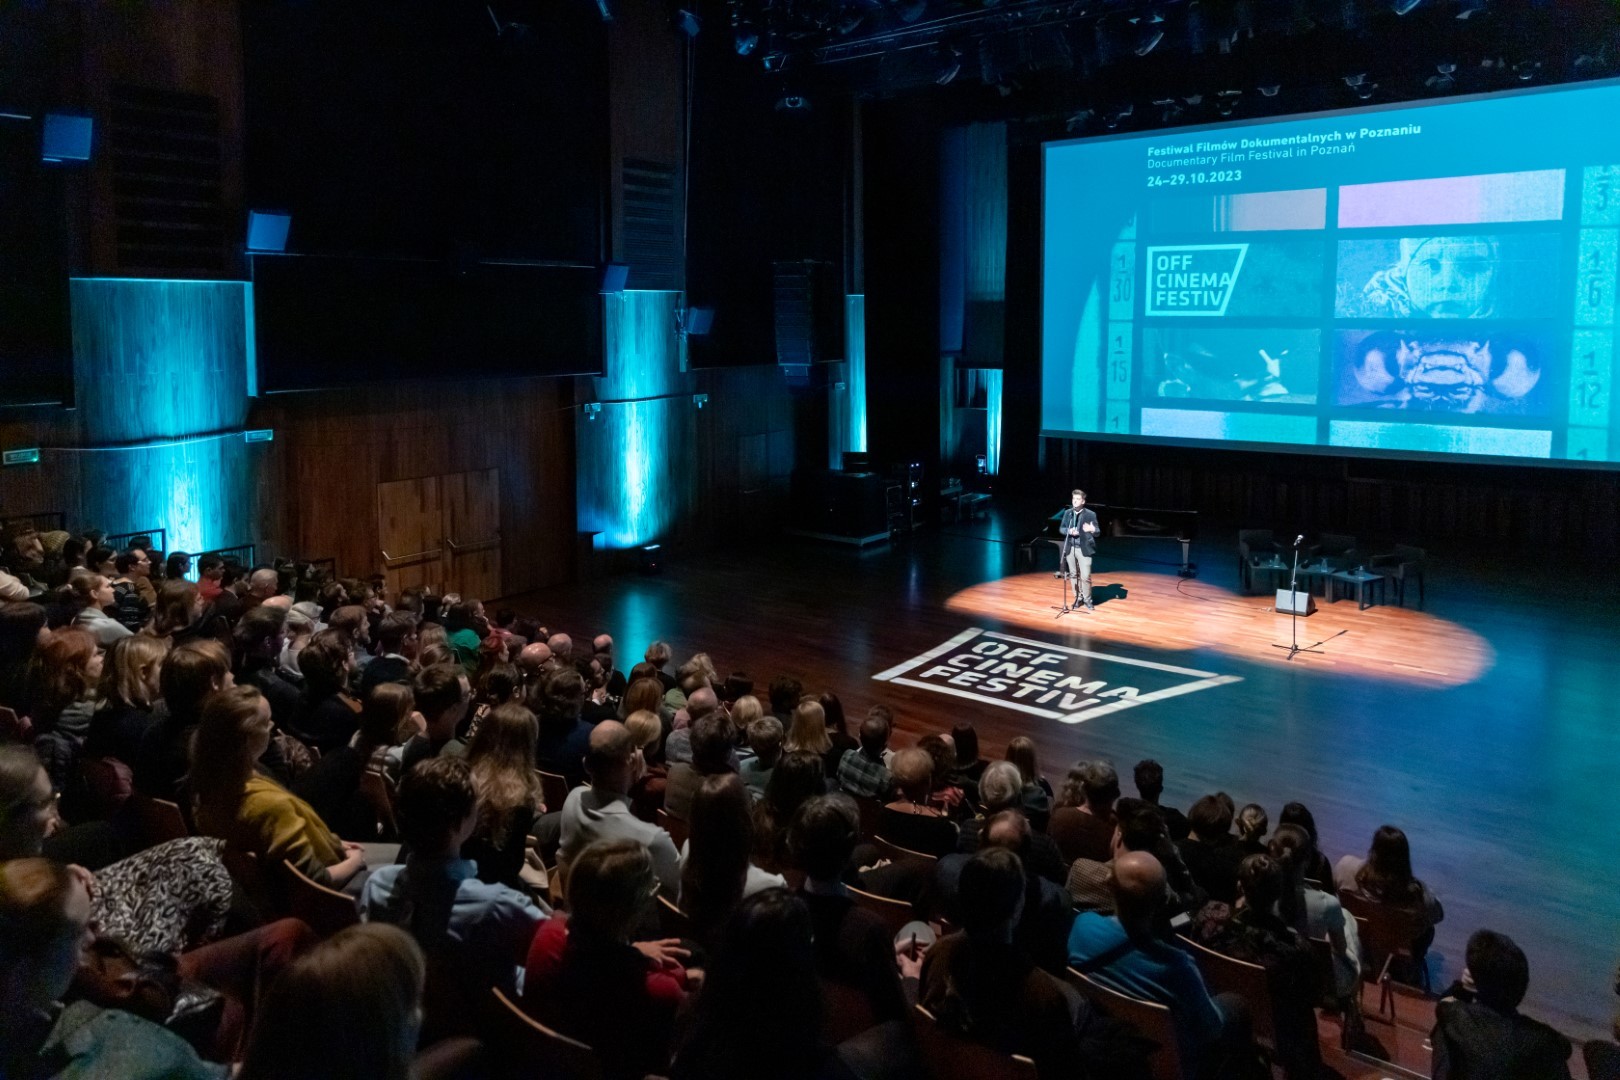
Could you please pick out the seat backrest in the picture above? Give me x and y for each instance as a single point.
(894, 851)
(949, 1056)
(159, 820)
(1228, 974)
(1602, 1060)
(672, 920)
(1410, 554)
(1066, 828)
(1249, 539)
(869, 810)
(108, 782)
(1336, 543)
(325, 910)
(676, 827)
(378, 792)
(846, 1011)
(553, 789)
(894, 913)
(1151, 1020)
(530, 1048)
(1386, 929)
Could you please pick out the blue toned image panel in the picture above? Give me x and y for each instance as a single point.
(1399, 280)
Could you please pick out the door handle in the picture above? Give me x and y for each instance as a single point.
(472, 545)
(418, 556)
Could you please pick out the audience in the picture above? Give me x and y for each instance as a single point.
(332, 785)
(94, 597)
(1479, 1033)
(765, 744)
(832, 711)
(585, 978)
(127, 699)
(863, 772)
(350, 1007)
(1042, 929)
(602, 810)
(1385, 877)
(1211, 852)
(475, 935)
(1252, 824)
(330, 716)
(1001, 787)
(807, 733)
(563, 738)
(647, 794)
(253, 813)
(1149, 776)
(910, 821)
(501, 757)
(1083, 823)
(442, 695)
(796, 779)
(716, 871)
(714, 740)
(1324, 916)
(1316, 866)
(966, 740)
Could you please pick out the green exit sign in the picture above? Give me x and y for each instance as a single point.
(29, 456)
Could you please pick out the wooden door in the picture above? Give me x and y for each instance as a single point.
(472, 537)
(410, 523)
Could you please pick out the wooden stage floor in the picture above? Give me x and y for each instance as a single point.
(1486, 726)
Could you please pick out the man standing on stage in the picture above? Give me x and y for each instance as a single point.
(1079, 545)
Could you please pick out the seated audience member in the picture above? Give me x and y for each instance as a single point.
(602, 647)
(302, 622)
(1252, 824)
(332, 785)
(1479, 1033)
(563, 737)
(1211, 852)
(716, 871)
(796, 779)
(1323, 915)
(657, 657)
(396, 651)
(330, 716)
(1149, 776)
(62, 681)
(353, 623)
(1084, 823)
(166, 898)
(1258, 934)
(350, 1007)
(262, 584)
(1043, 925)
(1021, 752)
(253, 813)
(785, 694)
(1385, 876)
(465, 628)
(442, 695)
(125, 707)
(189, 674)
(690, 677)
(260, 636)
(133, 594)
(713, 740)
(948, 796)
(1124, 952)
(852, 946)
(832, 712)
(863, 773)
(1139, 829)
(22, 628)
(501, 756)
(1317, 868)
(602, 810)
(969, 763)
(599, 704)
(806, 728)
(741, 1033)
(587, 980)
(765, 742)
(647, 795)
(1001, 787)
(703, 702)
(909, 820)
(981, 984)
(45, 911)
(93, 597)
(476, 935)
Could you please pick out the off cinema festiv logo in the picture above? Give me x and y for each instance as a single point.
(1055, 681)
(1193, 279)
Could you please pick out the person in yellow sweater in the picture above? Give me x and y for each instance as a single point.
(248, 810)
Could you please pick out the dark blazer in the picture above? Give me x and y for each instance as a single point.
(1073, 519)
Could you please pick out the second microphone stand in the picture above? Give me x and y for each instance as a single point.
(1294, 648)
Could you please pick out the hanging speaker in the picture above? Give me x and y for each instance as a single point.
(1295, 603)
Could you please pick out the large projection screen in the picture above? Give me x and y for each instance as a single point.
(1413, 281)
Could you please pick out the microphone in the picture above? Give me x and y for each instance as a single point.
(1298, 540)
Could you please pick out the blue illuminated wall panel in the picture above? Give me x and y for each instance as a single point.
(635, 458)
(160, 372)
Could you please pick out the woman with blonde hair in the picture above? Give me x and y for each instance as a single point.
(501, 757)
(808, 732)
(645, 694)
(350, 1007)
(745, 710)
(647, 793)
(332, 786)
(129, 690)
(251, 812)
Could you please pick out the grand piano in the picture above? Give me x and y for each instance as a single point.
(1132, 523)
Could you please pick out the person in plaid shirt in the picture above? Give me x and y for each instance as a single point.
(863, 773)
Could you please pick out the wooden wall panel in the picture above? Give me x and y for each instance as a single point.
(334, 447)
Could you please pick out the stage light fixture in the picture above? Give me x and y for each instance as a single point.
(1404, 7)
(688, 23)
(1077, 120)
(1445, 77)
(775, 59)
(1269, 90)
(1525, 70)
(1226, 101)
(1169, 109)
(792, 103)
(744, 39)
(1467, 9)
(950, 65)
(1149, 32)
(1117, 115)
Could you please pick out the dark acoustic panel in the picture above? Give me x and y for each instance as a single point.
(334, 322)
(36, 346)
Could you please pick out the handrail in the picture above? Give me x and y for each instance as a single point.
(475, 545)
(419, 556)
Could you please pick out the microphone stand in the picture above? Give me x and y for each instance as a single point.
(1293, 609)
(1063, 578)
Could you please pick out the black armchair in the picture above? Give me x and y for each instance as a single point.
(1254, 546)
(1336, 549)
(1405, 562)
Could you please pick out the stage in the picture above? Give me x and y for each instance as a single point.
(1485, 726)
